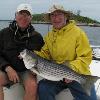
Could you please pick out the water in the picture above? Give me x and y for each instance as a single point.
(93, 33)
(42, 28)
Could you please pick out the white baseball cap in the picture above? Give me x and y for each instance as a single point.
(26, 7)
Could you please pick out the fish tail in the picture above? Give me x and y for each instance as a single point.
(90, 80)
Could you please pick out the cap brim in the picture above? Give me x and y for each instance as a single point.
(25, 11)
(46, 16)
(66, 12)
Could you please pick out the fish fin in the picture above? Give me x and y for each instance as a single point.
(35, 70)
(89, 83)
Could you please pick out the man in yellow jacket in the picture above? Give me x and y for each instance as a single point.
(68, 44)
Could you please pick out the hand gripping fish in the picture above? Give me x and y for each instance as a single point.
(53, 71)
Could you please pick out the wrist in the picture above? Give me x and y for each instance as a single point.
(7, 68)
(4, 67)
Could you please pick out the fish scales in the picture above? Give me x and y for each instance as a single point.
(57, 70)
(50, 70)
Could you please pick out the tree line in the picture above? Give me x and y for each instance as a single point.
(77, 17)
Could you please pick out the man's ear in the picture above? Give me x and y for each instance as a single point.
(31, 17)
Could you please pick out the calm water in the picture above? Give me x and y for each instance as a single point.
(93, 33)
(42, 28)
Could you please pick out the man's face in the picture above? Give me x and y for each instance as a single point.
(58, 19)
(23, 18)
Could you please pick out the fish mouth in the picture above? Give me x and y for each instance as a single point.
(22, 53)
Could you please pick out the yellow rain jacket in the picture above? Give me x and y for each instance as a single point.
(69, 44)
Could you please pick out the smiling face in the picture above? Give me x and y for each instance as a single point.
(58, 19)
(23, 19)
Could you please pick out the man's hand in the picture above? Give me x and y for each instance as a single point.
(12, 74)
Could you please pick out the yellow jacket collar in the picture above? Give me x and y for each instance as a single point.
(66, 27)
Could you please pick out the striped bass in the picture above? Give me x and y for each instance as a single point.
(50, 70)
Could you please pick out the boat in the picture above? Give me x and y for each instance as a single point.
(16, 91)
(94, 24)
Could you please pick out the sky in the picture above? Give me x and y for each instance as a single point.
(88, 8)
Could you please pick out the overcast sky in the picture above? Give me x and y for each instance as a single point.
(90, 8)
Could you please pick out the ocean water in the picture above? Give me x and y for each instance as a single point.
(42, 28)
(93, 33)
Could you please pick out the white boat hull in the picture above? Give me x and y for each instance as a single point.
(16, 91)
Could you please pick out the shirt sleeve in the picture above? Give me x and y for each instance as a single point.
(3, 61)
(83, 55)
(35, 42)
(44, 50)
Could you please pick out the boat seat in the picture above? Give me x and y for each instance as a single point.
(16, 92)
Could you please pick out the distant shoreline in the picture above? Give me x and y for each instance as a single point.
(6, 20)
(79, 24)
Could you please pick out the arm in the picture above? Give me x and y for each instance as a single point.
(44, 50)
(5, 65)
(83, 55)
(3, 62)
(35, 42)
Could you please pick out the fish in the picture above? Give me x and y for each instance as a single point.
(53, 71)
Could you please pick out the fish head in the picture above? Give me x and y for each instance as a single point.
(29, 58)
(23, 53)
